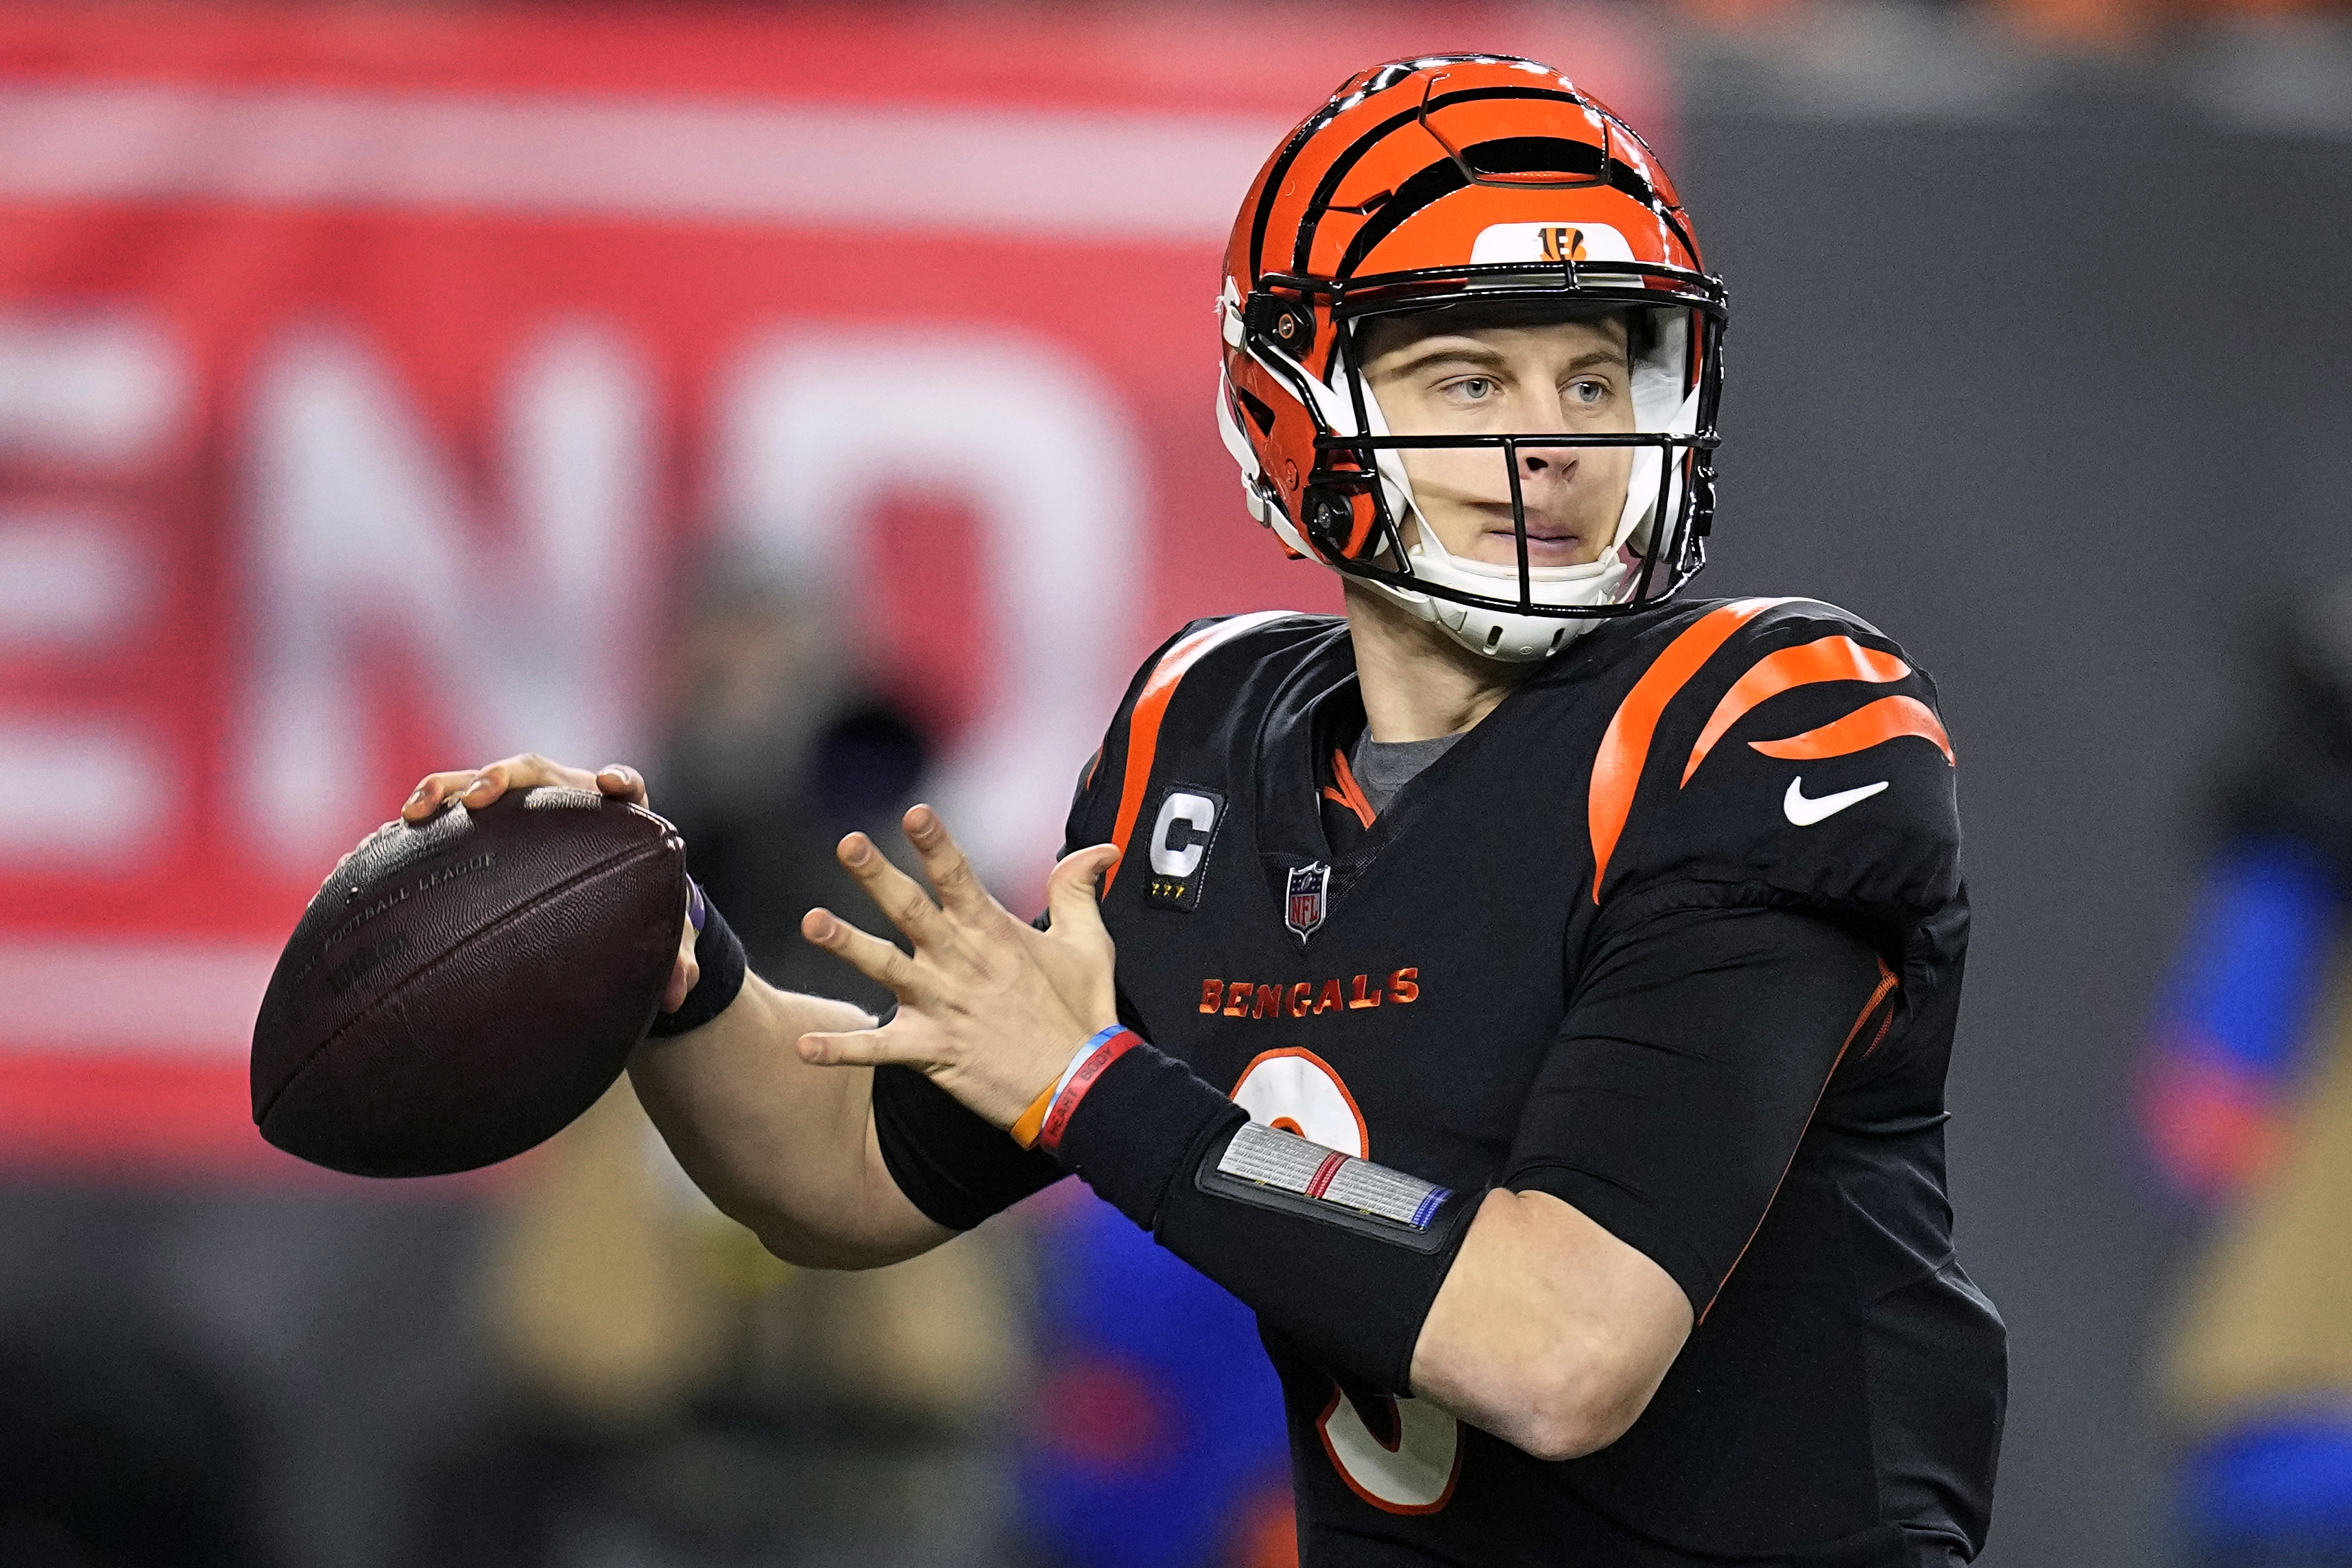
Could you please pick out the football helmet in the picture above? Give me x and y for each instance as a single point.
(1443, 181)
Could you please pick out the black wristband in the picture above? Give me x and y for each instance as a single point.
(721, 955)
(1342, 1256)
(1131, 1134)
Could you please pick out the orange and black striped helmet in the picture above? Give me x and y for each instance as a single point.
(1438, 181)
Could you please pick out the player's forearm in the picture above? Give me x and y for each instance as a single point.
(1513, 1310)
(781, 1147)
(1548, 1331)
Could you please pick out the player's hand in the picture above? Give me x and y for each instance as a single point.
(475, 788)
(989, 1006)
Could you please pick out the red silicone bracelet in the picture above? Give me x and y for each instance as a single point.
(1116, 1043)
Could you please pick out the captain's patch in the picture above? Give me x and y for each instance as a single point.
(1182, 834)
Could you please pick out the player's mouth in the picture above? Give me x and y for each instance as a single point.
(1548, 543)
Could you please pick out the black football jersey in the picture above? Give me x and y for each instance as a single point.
(1676, 934)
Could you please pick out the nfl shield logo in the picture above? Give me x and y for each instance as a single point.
(1303, 910)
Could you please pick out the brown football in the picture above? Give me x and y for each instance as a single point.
(460, 990)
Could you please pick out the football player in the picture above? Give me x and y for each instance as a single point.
(1531, 991)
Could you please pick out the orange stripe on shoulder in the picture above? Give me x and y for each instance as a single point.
(1829, 659)
(1151, 706)
(1873, 724)
(1625, 746)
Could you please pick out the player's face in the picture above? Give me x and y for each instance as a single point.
(1567, 378)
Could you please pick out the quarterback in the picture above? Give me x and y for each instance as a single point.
(1530, 991)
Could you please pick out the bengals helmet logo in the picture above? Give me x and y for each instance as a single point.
(1562, 244)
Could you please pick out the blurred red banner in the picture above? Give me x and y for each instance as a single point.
(369, 379)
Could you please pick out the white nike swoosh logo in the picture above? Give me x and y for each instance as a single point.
(1805, 812)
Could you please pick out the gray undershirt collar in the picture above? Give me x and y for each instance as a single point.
(1384, 767)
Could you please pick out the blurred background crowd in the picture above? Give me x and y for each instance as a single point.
(812, 403)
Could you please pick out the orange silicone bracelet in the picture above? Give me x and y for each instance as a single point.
(1033, 1120)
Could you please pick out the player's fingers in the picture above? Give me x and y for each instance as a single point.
(436, 788)
(1070, 891)
(622, 782)
(871, 957)
(943, 862)
(863, 1047)
(1085, 986)
(897, 896)
(524, 772)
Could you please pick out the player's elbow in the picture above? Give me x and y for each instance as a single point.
(807, 1236)
(1548, 1333)
(1564, 1436)
(837, 1246)
(806, 1250)
(778, 1232)
(1576, 1399)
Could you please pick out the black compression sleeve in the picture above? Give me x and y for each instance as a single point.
(950, 1163)
(1313, 1256)
(1693, 1055)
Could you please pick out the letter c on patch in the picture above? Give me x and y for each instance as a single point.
(1180, 836)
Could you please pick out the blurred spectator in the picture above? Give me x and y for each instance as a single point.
(1153, 1436)
(2247, 1102)
(776, 750)
(675, 1395)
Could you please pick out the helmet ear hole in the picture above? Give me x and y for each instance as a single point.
(1286, 324)
(1330, 519)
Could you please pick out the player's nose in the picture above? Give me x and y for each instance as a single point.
(1546, 462)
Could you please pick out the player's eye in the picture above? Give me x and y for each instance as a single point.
(1471, 388)
(1588, 394)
